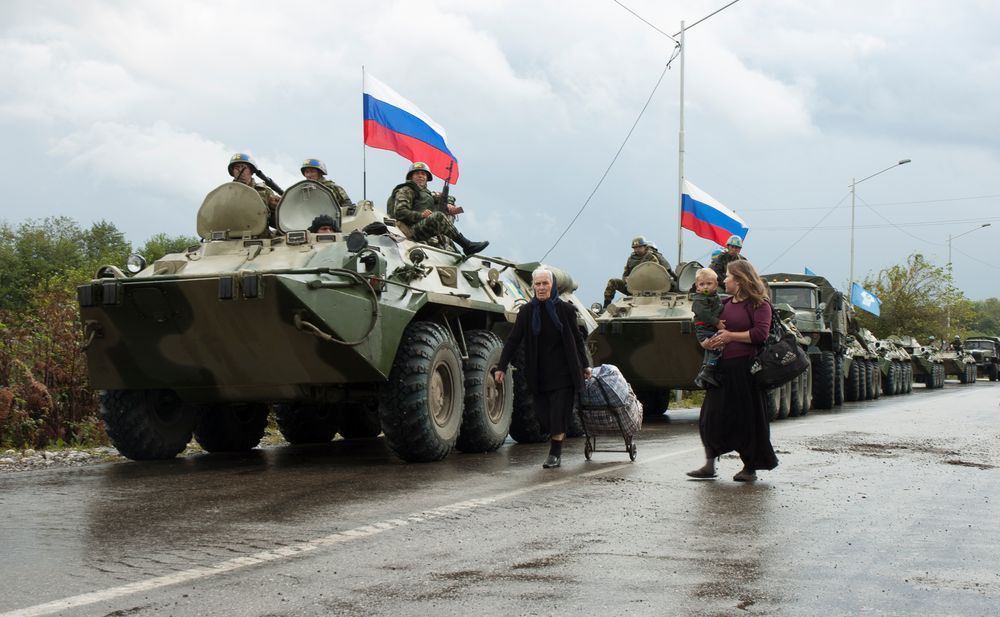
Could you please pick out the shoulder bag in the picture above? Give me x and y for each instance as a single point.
(780, 358)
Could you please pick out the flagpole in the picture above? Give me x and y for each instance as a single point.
(680, 162)
(364, 151)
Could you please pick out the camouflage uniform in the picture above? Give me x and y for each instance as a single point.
(634, 260)
(721, 262)
(408, 207)
(338, 192)
(266, 194)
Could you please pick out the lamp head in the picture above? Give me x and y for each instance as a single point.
(904, 162)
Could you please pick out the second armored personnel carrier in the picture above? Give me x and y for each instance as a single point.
(358, 331)
(925, 362)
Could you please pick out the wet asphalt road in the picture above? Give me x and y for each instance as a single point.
(881, 508)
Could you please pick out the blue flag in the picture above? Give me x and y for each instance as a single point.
(865, 300)
(809, 272)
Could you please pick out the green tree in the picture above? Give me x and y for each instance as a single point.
(161, 244)
(986, 317)
(915, 297)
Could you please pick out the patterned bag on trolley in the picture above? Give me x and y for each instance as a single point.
(606, 397)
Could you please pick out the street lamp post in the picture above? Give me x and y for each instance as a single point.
(950, 238)
(854, 183)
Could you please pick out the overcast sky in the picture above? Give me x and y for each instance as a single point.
(128, 111)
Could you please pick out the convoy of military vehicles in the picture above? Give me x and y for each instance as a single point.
(362, 332)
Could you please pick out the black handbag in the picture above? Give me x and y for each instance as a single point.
(780, 359)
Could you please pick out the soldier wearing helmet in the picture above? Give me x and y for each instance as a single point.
(241, 169)
(956, 344)
(413, 204)
(733, 247)
(642, 251)
(315, 170)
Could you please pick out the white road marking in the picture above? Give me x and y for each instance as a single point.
(294, 550)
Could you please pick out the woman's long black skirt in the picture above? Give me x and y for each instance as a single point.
(733, 417)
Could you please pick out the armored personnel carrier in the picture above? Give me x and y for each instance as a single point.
(986, 351)
(925, 362)
(961, 364)
(649, 334)
(359, 330)
(893, 363)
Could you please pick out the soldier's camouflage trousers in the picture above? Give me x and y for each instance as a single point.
(613, 286)
(436, 224)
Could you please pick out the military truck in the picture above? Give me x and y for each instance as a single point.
(925, 362)
(986, 352)
(821, 318)
(359, 331)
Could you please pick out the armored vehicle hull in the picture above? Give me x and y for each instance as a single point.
(961, 364)
(925, 362)
(359, 331)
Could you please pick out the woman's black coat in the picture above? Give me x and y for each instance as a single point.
(572, 339)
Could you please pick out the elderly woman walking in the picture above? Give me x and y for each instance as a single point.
(555, 359)
(733, 416)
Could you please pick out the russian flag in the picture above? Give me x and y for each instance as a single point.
(707, 218)
(394, 123)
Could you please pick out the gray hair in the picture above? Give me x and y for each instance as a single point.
(542, 270)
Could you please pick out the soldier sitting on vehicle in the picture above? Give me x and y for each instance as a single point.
(412, 204)
(956, 344)
(242, 168)
(642, 251)
(315, 170)
(733, 247)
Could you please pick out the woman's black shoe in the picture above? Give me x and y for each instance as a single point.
(551, 461)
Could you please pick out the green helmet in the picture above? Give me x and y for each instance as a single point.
(958, 338)
(418, 166)
(640, 241)
(313, 164)
(735, 241)
(241, 157)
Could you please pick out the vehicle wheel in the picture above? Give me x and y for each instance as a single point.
(654, 402)
(973, 373)
(888, 381)
(306, 422)
(633, 451)
(807, 391)
(588, 449)
(772, 403)
(897, 374)
(876, 380)
(147, 425)
(488, 406)
(852, 385)
(359, 419)
(865, 371)
(797, 385)
(231, 428)
(839, 380)
(824, 375)
(786, 401)
(994, 372)
(420, 409)
(908, 378)
(524, 426)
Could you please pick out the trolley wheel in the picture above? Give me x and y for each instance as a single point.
(588, 449)
(632, 451)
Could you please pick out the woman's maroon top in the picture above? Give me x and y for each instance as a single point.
(737, 316)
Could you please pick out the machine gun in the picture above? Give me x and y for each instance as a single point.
(271, 184)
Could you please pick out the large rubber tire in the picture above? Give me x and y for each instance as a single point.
(876, 380)
(359, 419)
(993, 372)
(852, 385)
(147, 425)
(420, 409)
(909, 377)
(786, 401)
(488, 406)
(824, 373)
(524, 427)
(797, 400)
(231, 428)
(839, 380)
(807, 394)
(772, 403)
(887, 382)
(654, 403)
(301, 423)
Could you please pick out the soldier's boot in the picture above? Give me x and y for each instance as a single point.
(468, 246)
(607, 301)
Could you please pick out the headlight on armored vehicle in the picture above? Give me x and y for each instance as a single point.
(135, 263)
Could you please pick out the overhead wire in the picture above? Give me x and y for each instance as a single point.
(803, 236)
